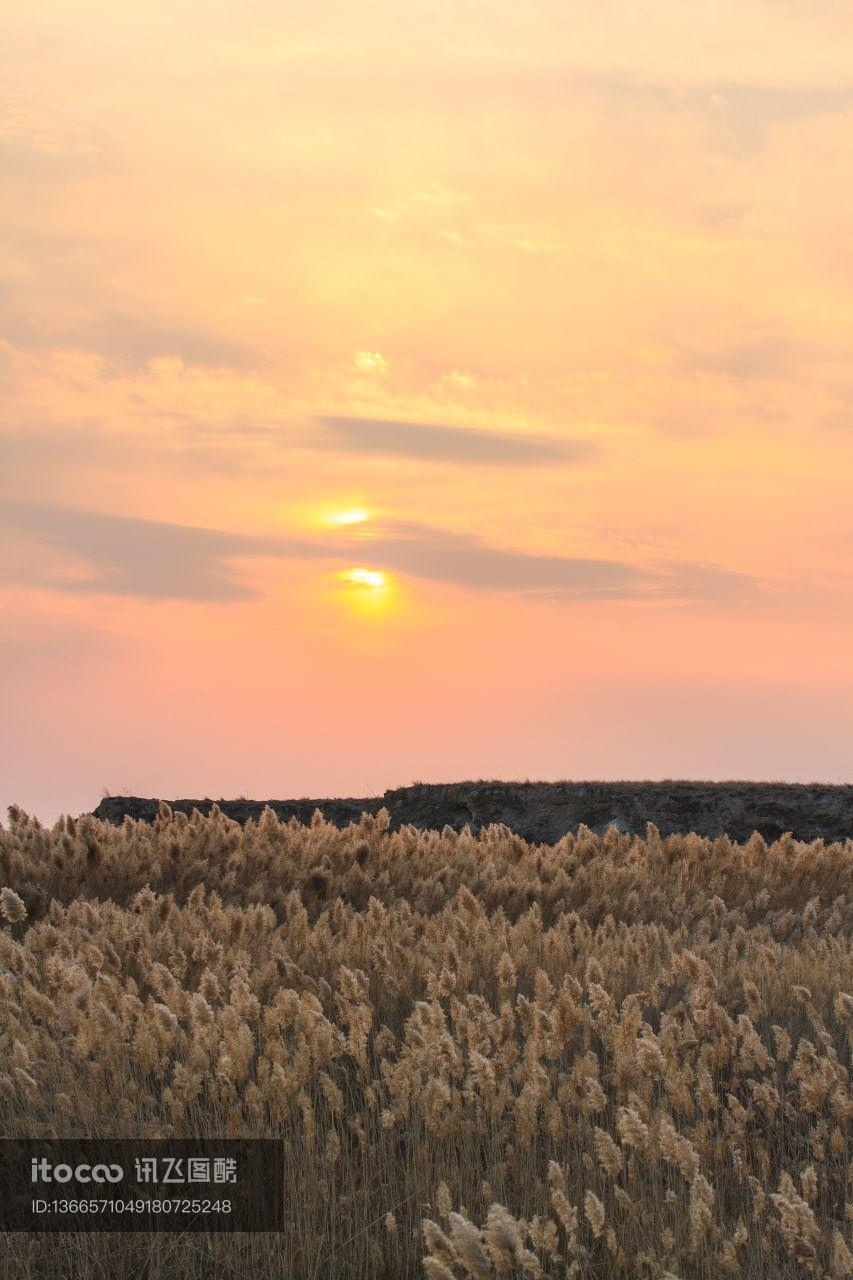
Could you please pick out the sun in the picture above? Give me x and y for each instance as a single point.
(372, 579)
(369, 592)
(356, 515)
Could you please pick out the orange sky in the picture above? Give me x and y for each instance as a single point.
(554, 300)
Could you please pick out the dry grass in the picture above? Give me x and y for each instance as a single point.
(609, 1057)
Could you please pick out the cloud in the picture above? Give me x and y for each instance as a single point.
(38, 455)
(746, 111)
(131, 341)
(749, 357)
(149, 559)
(127, 341)
(739, 114)
(433, 442)
(466, 561)
(697, 580)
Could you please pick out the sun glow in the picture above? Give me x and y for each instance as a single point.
(368, 592)
(356, 515)
(373, 579)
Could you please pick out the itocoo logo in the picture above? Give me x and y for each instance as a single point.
(43, 1171)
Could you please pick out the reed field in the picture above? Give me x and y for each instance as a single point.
(608, 1057)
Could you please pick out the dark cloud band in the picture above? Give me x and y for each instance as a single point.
(151, 559)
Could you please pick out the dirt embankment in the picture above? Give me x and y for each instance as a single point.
(545, 811)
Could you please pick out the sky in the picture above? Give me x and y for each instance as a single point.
(417, 392)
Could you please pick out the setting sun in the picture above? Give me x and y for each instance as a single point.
(357, 515)
(371, 578)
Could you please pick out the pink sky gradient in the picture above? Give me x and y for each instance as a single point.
(554, 303)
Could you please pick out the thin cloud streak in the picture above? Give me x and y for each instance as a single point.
(436, 442)
(465, 560)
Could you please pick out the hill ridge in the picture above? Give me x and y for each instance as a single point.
(545, 811)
